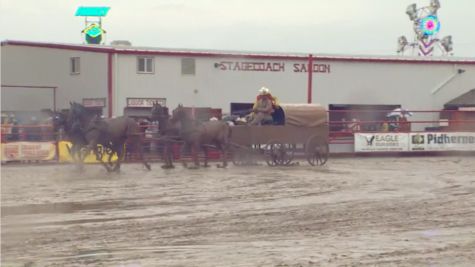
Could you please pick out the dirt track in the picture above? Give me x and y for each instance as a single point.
(415, 211)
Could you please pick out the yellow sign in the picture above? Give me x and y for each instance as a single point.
(65, 155)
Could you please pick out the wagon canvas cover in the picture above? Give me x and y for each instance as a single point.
(304, 115)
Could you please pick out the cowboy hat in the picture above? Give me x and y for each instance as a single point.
(264, 91)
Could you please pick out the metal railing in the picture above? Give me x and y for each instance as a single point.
(342, 129)
(351, 121)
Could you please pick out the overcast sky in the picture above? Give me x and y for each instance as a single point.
(309, 26)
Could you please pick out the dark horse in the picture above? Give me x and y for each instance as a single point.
(168, 134)
(60, 122)
(202, 135)
(112, 134)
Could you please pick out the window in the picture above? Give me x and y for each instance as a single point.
(74, 65)
(188, 66)
(145, 65)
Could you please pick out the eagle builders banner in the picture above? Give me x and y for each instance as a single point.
(15, 151)
(65, 154)
(442, 141)
(381, 142)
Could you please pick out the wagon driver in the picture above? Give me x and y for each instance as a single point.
(263, 107)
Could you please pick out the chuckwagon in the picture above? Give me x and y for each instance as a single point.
(303, 131)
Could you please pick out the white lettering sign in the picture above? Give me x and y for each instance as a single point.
(145, 102)
(94, 102)
(28, 151)
(372, 142)
(442, 141)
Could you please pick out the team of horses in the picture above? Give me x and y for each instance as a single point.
(89, 133)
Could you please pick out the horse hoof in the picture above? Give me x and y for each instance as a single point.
(193, 167)
(206, 166)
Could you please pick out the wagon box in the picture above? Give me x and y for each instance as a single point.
(305, 125)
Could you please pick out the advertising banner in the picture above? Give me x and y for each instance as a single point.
(442, 141)
(65, 154)
(28, 151)
(145, 102)
(94, 102)
(381, 142)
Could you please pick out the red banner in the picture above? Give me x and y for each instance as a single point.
(28, 151)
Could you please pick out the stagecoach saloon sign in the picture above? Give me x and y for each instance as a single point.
(270, 66)
(145, 102)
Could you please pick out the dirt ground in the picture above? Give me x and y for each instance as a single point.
(410, 211)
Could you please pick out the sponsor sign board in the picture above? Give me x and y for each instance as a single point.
(28, 151)
(145, 102)
(381, 142)
(65, 155)
(94, 102)
(270, 66)
(442, 141)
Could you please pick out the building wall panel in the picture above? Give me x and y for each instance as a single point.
(37, 66)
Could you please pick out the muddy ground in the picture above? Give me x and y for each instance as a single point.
(410, 211)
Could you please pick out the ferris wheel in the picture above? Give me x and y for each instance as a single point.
(426, 26)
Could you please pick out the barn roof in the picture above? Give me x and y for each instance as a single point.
(122, 49)
(465, 100)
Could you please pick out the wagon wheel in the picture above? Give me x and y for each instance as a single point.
(279, 154)
(238, 156)
(316, 150)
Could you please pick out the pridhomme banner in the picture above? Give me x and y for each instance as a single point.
(442, 141)
(421, 141)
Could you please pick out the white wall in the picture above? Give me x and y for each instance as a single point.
(346, 82)
(409, 85)
(392, 83)
(215, 88)
(22, 65)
